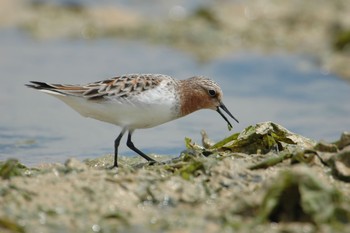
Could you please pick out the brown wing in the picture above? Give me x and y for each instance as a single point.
(122, 86)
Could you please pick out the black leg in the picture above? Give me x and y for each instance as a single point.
(130, 144)
(116, 145)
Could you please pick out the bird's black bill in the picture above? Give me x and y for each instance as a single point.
(223, 107)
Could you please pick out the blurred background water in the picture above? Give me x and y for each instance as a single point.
(284, 87)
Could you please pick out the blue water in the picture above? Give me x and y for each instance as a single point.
(35, 128)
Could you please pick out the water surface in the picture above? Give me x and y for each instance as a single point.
(35, 128)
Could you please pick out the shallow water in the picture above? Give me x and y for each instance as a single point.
(35, 128)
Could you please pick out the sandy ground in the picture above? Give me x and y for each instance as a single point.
(265, 178)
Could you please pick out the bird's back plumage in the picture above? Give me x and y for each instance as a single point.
(129, 101)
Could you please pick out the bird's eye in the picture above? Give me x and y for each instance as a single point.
(212, 92)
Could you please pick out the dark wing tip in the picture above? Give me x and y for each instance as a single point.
(39, 85)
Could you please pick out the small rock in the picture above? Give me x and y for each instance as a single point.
(343, 141)
(326, 147)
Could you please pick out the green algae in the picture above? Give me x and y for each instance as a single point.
(263, 138)
(8, 225)
(298, 195)
(11, 168)
(226, 140)
(342, 40)
(271, 161)
(191, 169)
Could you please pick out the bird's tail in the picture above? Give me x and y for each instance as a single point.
(56, 89)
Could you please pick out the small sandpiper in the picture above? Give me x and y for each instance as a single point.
(137, 101)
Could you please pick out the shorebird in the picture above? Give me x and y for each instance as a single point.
(137, 101)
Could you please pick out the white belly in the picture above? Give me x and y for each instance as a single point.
(149, 109)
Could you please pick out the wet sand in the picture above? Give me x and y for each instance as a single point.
(265, 178)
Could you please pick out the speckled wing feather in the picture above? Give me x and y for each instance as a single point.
(120, 87)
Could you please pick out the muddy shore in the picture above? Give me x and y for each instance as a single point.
(264, 178)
